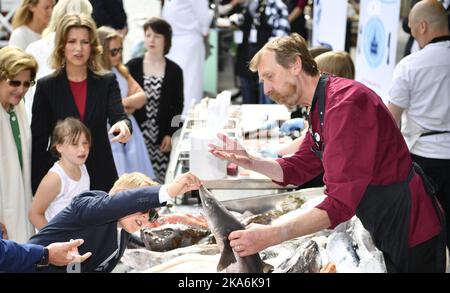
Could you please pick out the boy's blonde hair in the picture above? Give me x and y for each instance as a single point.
(133, 180)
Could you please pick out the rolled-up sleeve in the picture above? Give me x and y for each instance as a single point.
(302, 167)
(400, 92)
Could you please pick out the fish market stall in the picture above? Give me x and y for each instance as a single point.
(347, 248)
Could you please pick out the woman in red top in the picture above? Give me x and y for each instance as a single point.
(367, 168)
(79, 88)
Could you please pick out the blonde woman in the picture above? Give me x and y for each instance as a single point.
(30, 19)
(133, 156)
(43, 48)
(17, 73)
(79, 88)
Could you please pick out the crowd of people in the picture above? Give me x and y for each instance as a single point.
(77, 122)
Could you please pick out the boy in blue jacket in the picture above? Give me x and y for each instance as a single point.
(105, 221)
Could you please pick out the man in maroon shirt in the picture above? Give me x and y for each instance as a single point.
(367, 167)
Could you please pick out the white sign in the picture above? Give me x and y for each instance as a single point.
(329, 24)
(377, 44)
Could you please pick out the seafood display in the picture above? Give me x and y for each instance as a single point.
(200, 243)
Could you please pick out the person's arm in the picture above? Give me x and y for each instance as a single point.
(45, 194)
(258, 237)
(396, 112)
(292, 147)
(19, 258)
(41, 128)
(202, 14)
(99, 208)
(136, 98)
(400, 91)
(235, 153)
(295, 13)
(22, 258)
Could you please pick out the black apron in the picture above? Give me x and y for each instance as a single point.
(384, 210)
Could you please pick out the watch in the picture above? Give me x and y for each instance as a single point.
(43, 262)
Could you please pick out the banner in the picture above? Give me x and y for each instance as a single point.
(377, 44)
(329, 24)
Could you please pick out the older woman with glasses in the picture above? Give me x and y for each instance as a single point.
(133, 156)
(17, 73)
(79, 88)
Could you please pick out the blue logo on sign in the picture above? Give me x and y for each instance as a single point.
(374, 42)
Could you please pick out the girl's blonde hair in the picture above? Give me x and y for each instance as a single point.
(77, 21)
(105, 35)
(69, 131)
(14, 60)
(23, 14)
(64, 7)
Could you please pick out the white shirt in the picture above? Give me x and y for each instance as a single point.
(188, 16)
(69, 189)
(41, 50)
(421, 85)
(23, 36)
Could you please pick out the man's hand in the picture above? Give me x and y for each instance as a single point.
(292, 124)
(253, 239)
(182, 184)
(232, 151)
(63, 253)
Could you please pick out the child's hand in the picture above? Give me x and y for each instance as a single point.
(183, 183)
(4, 232)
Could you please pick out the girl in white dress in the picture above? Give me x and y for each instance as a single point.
(68, 177)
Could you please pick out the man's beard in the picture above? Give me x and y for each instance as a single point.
(285, 99)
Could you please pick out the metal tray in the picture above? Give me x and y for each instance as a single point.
(264, 203)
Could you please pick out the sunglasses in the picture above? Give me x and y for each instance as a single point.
(17, 83)
(153, 215)
(115, 51)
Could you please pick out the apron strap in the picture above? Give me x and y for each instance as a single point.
(319, 98)
(431, 189)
